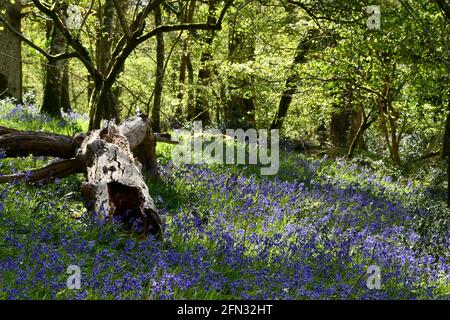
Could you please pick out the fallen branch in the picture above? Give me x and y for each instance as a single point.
(165, 138)
(4, 130)
(22, 144)
(57, 170)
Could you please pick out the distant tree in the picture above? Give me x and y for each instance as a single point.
(241, 109)
(305, 46)
(56, 72)
(187, 16)
(202, 104)
(159, 81)
(444, 6)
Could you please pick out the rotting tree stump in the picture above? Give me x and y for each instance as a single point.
(111, 159)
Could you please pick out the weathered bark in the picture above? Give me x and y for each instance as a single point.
(342, 119)
(4, 130)
(357, 118)
(52, 102)
(159, 84)
(11, 57)
(53, 171)
(22, 144)
(115, 187)
(143, 146)
(293, 79)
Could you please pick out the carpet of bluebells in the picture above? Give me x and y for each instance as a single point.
(309, 233)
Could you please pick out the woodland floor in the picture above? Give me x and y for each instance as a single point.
(311, 232)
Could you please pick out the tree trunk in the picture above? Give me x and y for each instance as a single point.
(185, 60)
(342, 119)
(339, 127)
(200, 110)
(159, 84)
(357, 138)
(22, 144)
(446, 150)
(11, 60)
(54, 75)
(103, 102)
(241, 107)
(357, 120)
(65, 89)
(388, 122)
(293, 79)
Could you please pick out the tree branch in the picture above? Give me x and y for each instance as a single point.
(117, 62)
(21, 144)
(178, 27)
(57, 170)
(83, 53)
(122, 19)
(188, 26)
(49, 57)
(4, 130)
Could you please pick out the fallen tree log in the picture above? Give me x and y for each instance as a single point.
(115, 187)
(53, 171)
(22, 144)
(4, 130)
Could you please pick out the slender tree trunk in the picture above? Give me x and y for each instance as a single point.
(358, 135)
(293, 79)
(185, 60)
(241, 49)
(159, 84)
(11, 56)
(388, 121)
(65, 89)
(446, 150)
(357, 120)
(200, 109)
(191, 94)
